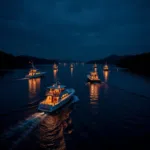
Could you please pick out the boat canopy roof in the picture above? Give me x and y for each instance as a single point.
(106, 66)
(56, 87)
(93, 73)
(62, 93)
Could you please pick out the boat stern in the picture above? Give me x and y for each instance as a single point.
(45, 108)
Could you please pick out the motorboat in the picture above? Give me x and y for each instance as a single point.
(93, 77)
(34, 73)
(105, 68)
(57, 96)
(95, 65)
(71, 66)
(55, 67)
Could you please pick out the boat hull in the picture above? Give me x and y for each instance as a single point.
(36, 76)
(105, 70)
(51, 109)
(93, 81)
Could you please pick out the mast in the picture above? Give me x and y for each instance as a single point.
(33, 67)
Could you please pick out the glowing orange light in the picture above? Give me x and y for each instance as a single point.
(71, 69)
(94, 92)
(55, 73)
(106, 73)
(34, 87)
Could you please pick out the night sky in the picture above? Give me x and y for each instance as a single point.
(74, 29)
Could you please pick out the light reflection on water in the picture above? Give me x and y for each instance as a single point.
(52, 130)
(34, 87)
(106, 75)
(94, 92)
(117, 111)
(71, 70)
(55, 74)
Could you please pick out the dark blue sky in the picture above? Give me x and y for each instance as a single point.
(74, 29)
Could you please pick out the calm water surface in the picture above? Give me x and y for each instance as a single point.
(114, 114)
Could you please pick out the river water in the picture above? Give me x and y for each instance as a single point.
(112, 115)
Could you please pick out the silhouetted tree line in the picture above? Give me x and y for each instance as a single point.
(112, 59)
(136, 63)
(8, 61)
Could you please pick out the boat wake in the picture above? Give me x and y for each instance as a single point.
(30, 105)
(14, 135)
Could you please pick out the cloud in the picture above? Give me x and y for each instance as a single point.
(59, 26)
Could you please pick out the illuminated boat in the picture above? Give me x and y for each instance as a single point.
(55, 67)
(105, 68)
(93, 77)
(71, 66)
(56, 97)
(34, 73)
(95, 65)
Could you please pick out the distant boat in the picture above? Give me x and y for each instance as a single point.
(55, 67)
(93, 77)
(117, 69)
(95, 65)
(105, 68)
(34, 73)
(56, 97)
(71, 66)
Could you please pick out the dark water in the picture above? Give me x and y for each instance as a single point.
(111, 115)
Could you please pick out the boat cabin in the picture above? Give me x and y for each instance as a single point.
(94, 76)
(106, 67)
(95, 65)
(55, 66)
(32, 72)
(54, 94)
